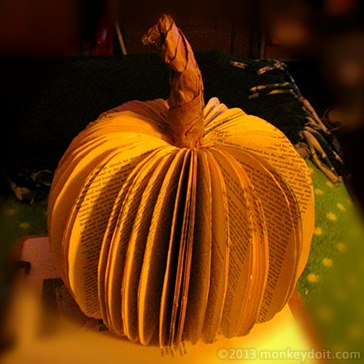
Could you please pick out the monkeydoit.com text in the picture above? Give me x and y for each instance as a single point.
(287, 354)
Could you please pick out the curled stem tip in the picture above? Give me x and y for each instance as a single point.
(186, 103)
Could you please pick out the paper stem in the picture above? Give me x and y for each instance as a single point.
(186, 103)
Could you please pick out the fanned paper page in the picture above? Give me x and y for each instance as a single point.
(247, 234)
(170, 285)
(175, 221)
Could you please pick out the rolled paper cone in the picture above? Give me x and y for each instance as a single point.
(186, 102)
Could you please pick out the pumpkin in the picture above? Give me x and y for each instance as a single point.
(177, 220)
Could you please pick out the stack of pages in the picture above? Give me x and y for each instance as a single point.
(166, 244)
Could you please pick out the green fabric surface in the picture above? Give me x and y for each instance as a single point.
(337, 223)
(18, 219)
(332, 284)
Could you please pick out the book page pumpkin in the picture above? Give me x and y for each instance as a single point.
(177, 220)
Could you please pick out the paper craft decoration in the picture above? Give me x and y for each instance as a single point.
(171, 220)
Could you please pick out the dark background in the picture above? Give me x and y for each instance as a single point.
(322, 41)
